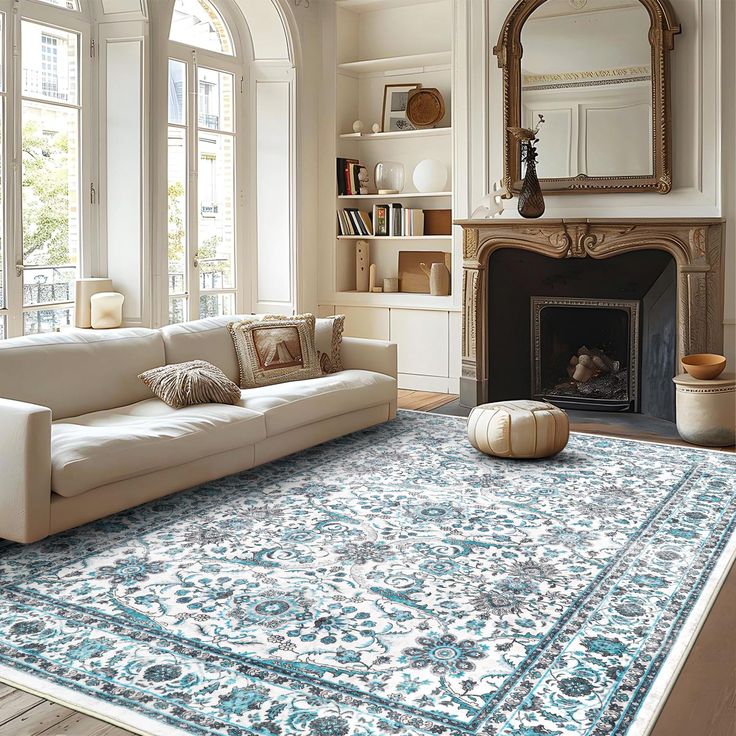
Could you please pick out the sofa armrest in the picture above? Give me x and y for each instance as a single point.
(369, 355)
(25, 471)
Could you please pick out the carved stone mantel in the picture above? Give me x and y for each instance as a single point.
(696, 244)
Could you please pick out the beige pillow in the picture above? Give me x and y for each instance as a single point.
(327, 339)
(275, 350)
(194, 382)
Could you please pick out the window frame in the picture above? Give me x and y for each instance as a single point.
(65, 20)
(235, 64)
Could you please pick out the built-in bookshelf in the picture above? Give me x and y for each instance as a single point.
(378, 43)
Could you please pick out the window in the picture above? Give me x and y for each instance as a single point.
(198, 23)
(41, 256)
(50, 198)
(202, 132)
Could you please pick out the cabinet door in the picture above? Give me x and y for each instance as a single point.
(422, 337)
(370, 322)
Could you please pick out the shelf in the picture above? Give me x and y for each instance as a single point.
(394, 237)
(402, 195)
(396, 63)
(393, 135)
(395, 300)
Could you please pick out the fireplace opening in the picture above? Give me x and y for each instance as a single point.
(585, 352)
(646, 277)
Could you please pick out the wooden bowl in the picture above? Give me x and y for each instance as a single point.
(704, 366)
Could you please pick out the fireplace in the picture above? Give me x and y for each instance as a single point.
(670, 270)
(585, 353)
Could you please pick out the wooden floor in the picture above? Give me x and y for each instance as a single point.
(702, 702)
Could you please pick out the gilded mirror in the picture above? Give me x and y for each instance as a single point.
(598, 72)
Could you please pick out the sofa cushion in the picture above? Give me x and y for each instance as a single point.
(107, 446)
(78, 372)
(290, 405)
(204, 339)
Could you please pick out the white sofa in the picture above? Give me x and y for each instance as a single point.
(81, 437)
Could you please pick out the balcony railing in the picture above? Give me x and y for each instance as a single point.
(209, 121)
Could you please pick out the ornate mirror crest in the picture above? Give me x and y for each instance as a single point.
(654, 173)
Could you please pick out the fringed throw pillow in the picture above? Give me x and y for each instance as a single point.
(275, 350)
(194, 382)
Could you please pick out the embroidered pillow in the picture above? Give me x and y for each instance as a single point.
(194, 382)
(275, 350)
(327, 339)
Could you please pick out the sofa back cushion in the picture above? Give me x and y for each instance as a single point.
(204, 339)
(75, 373)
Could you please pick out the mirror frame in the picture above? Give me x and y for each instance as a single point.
(508, 50)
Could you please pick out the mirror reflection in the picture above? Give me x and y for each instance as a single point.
(586, 67)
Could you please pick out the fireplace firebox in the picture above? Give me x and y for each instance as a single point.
(585, 352)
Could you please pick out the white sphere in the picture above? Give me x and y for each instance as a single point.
(376, 128)
(430, 175)
(358, 126)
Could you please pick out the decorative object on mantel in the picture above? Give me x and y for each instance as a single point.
(362, 265)
(389, 177)
(412, 277)
(704, 366)
(358, 126)
(107, 310)
(531, 201)
(706, 410)
(439, 278)
(492, 204)
(518, 429)
(425, 107)
(390, 285)
(84, 289)
(376, 127)
(395, 100)
(430, 175)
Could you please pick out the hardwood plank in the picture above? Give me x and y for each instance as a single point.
(15, 703)
(38, 719)
(703, 700)
(79, 724)
(423, 400)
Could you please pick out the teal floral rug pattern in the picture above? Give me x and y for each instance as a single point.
(394, 581)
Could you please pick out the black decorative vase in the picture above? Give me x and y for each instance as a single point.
(531, 201)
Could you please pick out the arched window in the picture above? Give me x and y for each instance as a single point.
(205, 118)
(45, 208)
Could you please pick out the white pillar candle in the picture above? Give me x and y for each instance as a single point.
(107, 310)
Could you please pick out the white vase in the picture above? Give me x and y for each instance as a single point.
(430, 175)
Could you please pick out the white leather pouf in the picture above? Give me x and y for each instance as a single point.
(518, 429)
(107, 310)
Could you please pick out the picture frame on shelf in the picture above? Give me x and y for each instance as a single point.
(395, 101)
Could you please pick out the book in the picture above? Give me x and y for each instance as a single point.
(380, 220)
(345, 180)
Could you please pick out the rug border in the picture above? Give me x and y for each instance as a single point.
(643, 723)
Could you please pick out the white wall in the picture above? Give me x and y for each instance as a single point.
(704, 142)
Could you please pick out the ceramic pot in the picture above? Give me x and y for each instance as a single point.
(439, 278)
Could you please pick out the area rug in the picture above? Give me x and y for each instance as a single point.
(394, 581)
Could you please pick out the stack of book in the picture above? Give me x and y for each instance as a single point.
(352, 221)
(397, 221)
(348, 170)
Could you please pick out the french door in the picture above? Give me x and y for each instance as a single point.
(202, 194)
(44, 171)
